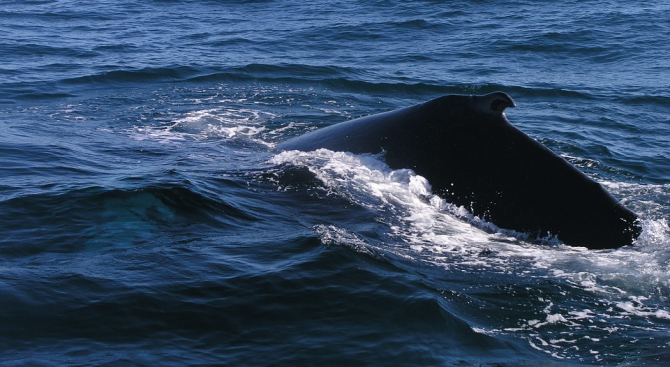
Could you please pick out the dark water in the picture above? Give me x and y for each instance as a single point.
(147, 220)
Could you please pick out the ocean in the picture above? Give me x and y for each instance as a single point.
(146, 218)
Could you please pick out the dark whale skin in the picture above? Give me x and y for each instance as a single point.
(473, 157)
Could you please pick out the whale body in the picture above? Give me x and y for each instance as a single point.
(473, 157)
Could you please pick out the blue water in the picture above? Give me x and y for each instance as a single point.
(147, 220)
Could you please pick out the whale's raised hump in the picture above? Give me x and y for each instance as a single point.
(474, 157)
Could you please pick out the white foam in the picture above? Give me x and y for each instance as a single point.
(333, 235)
(428, 223)
(625, 285)
(416, 214)
(213, 123)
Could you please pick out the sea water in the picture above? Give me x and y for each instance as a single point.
(146, 218)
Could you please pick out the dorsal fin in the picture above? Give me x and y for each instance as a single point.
(495, 102)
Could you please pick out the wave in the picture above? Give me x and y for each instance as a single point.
(337, 77)
(32, 50)
(645, 99)
(358, 82)
(96, 217)
(136, 76)
(623, 289)
(222, 308)
(344, 79)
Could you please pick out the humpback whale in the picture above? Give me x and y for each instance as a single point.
(474, 157)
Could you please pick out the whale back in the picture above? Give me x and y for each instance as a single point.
(474, 157)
